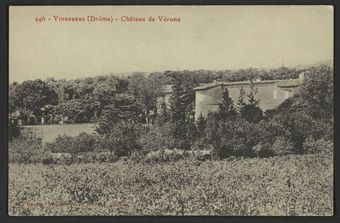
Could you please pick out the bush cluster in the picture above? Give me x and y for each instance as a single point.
(220, 139)
(83, 142)
(87, 157)
(122, 139)
(158, 138)
(312, 146)
(167, 155)
(27, 148)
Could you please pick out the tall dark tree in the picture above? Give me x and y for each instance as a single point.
(201, 124)
(316, 95)
(76, 110)
(226, 109)
(163, 115)
(125, 108)
(34, 95)
(104, 93)
(241, 100)
(251, 110)
(181, 109)
(146, 90)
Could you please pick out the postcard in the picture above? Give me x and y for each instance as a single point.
(171, 110)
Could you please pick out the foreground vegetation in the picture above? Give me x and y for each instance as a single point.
(286, 185)
(236, 161)
(126, 125)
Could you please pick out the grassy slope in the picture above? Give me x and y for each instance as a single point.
(290, 185)
(49, 132)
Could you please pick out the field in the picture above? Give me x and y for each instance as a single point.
(50, 132)
(288, 185)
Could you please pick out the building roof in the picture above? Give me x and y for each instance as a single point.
(289, 83)
(279, 83)
(167, 89)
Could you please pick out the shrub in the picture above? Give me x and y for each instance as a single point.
(14, 130)
(273, 139)
(167, 155)
(201, 144)
(251, 113)
(83, 142)
(48, 161)
(200, 155)
(282, 146)
(87, 157)
(250, 109)
(316, 96)
(60, 158)
(311, 146)
(322, 129)
(106, 156)
(300, 126)
(235, 138)
(27, 148)
(122, 139)
(164, 155)
(158, 137)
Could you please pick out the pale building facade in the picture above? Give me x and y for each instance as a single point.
(270, 93)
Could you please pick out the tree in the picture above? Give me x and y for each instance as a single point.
(158, 137)
(226, 109)
(316, 94)
(250, 110)
(122, 139)
(211, 130)
(241, 103)
(33, 95)
(216, 129)
(201, 125)
(181, 109)
(104, 93)
(309, 113)
(146, 90)
(124, 108)
(163, 115)
(76, 110)
(231, 137)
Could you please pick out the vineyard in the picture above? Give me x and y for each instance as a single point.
(286, 185)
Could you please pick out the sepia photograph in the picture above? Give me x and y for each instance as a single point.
(171, 110)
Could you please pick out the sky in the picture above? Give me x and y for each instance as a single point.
(207, 37)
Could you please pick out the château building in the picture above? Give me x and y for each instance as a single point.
(270, 93)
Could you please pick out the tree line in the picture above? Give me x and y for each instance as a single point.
(87, 99)
(121, 107)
